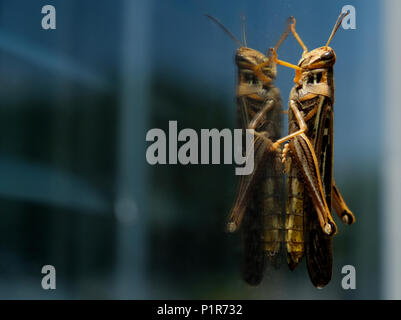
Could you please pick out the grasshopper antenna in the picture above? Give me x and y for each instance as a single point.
(336, 26)
(225, 30)
(243, 20)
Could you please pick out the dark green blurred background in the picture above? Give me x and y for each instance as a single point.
(76, 191)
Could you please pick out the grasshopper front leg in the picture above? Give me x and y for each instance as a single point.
(257, 119)
(302, 127)
(343, 212)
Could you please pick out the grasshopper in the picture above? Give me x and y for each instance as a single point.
(258, 205)
(308, 156)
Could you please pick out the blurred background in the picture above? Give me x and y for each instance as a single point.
(76, 191)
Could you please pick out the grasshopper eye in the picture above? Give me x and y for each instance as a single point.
(328, 55)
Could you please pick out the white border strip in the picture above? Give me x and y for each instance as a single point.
(391, 157)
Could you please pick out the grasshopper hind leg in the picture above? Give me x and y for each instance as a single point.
(343, 212)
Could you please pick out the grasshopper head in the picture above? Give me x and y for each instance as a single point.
(319, 58)
(253, 66)
(323, 57)
(247, 59)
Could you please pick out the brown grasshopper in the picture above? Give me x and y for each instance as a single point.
(311, 189)
(258, 206)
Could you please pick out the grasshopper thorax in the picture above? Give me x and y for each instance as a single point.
(323, 57)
